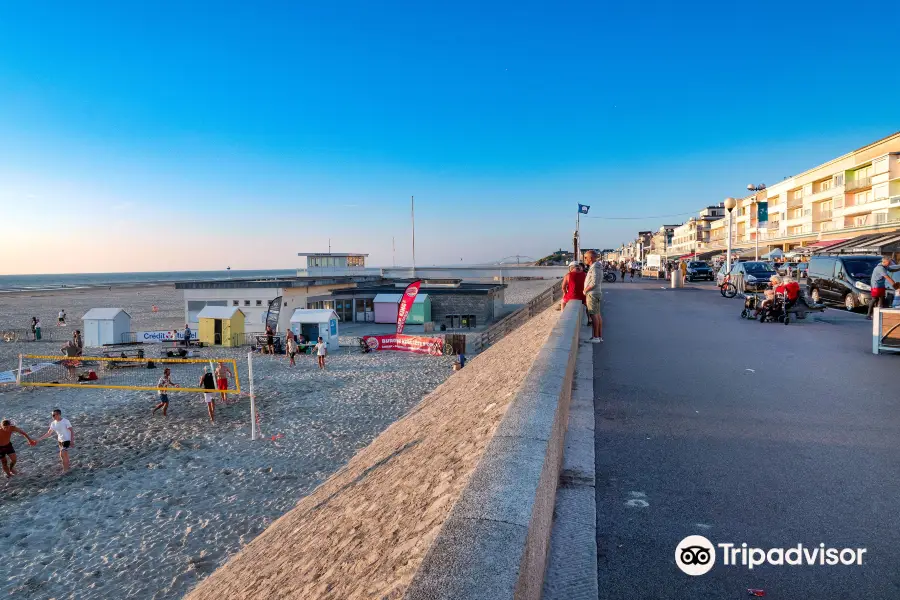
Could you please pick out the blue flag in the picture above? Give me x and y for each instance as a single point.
(583, 209)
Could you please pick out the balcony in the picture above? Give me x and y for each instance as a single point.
(823, 215)
(824, 194)
(795, 203)
(858, 184)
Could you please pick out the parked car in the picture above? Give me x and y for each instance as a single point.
(699, 270)
(797, 270)
(754, 274)
(786, 268)
(842, 279)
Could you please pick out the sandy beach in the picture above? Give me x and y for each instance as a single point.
(152, 504)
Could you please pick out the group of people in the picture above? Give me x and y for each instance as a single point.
(75, 346)
(59, 426)
(293, 344)
(209, 382)
(784, 285)
(583, 283)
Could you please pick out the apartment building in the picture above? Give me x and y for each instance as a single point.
(851, 195)
(695, 234)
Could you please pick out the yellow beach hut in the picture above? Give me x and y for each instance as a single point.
(221, 326)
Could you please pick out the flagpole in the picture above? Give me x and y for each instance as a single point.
(412, 212)
(576, 258)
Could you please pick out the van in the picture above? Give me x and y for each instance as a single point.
(842, 279)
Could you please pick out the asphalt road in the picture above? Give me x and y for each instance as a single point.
(765, 434)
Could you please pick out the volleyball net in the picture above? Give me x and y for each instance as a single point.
(139, 373)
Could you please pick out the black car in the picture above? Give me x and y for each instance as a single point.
(697, 269)
(842, 279)
(753, 275)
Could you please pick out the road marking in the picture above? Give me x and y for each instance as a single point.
(703, 525)
(637, 500)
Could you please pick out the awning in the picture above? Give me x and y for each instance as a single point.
(825, 243)
(872, 243)
(776, 253)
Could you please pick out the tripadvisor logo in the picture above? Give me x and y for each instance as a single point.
(696, 555)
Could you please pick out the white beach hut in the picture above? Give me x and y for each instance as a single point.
(105, 326)
(315, 323)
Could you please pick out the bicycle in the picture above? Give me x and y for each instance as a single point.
(609, 277)
(728, 289)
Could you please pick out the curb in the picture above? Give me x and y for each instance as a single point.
(495, 542)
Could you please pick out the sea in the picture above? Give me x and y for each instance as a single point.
(35, 283)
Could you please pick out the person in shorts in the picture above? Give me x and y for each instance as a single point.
(321, 352)
(61, 318)
(207, 382)
(65, 436)
(7, 452)
(164, 383)
(291, 348)
(222, 373)
(594, 294)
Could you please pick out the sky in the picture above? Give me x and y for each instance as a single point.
(187, 136)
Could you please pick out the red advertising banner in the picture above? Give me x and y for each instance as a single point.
(406, 343)
(406, 302)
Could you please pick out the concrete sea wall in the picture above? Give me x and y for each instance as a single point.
(455, 500)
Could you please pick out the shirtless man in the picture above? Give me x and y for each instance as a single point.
(222, 374)
(6, 447)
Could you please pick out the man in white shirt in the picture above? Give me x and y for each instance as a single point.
(321, 352)
(593, 294)
(65, 436)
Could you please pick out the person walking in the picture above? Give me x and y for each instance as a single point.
(594, 295)
(207, 382)
(6, 448)
(291, 349)
(222, 373)
(37, 330)
(34, 321)
(164, 383)
(61, 318)
(321, 353)
(879, 277)
(622, 270)
(65, 436)
(187, 335)
(78, 341)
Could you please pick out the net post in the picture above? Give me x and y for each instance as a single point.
(19, 372)
(252, 397)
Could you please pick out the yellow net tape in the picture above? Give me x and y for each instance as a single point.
(140, 374)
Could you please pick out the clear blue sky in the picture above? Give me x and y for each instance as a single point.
(266, 128)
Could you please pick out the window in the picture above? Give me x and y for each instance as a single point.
(838, 179)
(246, 303)
(235, 302)
(861, 221)
(825, 185)
(259, 302)
(797, 194)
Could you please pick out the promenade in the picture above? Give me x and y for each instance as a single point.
(708, 424)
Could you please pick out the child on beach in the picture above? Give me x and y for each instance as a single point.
(291, 348)
(65, 436)
(6, 447)
(321, 353)
(208, 383)
(164, 383)
(61, 319)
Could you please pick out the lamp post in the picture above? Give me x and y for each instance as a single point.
(730, 203)
(756, 189)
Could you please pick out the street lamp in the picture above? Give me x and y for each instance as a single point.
(730, 203)
(755, 189)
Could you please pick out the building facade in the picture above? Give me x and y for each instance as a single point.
(855, 194)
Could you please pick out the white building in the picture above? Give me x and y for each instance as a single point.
(105, 326)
